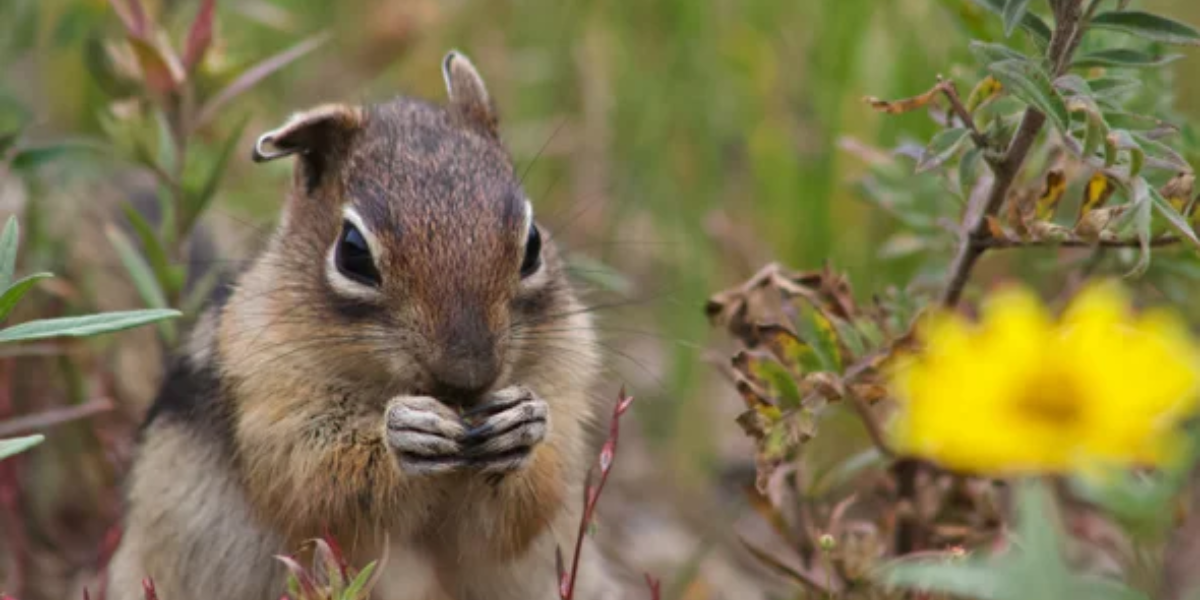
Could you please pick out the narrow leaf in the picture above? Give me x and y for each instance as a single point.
(1149, 26)
(1172, 160)
(1113, 86)
(158, 72)
(942, 148)
(1177, 221)
(257, 73)
(1014, 12)
(199, 201)
(139, 270)
(1028, 82)
(9, 239)
(987, 53)
(1123, 57)
(1142, 221)
(29, 158)
(155, 251)
(1030, 22)
(14, 293)
(84, 326)
(13, 446)
(200, 35)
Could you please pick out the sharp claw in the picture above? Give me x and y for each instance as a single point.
(490, 408)
(479, 434)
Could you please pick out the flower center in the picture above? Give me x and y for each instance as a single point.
(1051, 400)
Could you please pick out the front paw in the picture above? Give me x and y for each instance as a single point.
(505, 429)
(425, 435)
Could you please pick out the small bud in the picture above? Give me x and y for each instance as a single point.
(826, 542)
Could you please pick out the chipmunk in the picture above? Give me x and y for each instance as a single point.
(405, 360)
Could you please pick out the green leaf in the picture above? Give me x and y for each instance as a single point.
(30, 158)
(12, 446)
(942, 148)
(1112, 86)
(820, 334)
(1123, 57)
(780, 381)
(1014, 12)
(1177, 221)
(1028, 82)
(156, 254)
(1171, 160)
(198, 202)
(970, 580)
(358, 590)
(1142, 206)
(1097, 129)
(139, 270)
(1037, 569)
(84, 326)
(1132, 122)
(1029, 22)
(14, 292)
(987, 53)
(9, 239)
(1149, 26)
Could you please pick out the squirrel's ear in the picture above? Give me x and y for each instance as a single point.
(469, 99)
(320, 136)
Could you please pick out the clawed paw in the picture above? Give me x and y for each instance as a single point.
(505, 429)
(495, 437)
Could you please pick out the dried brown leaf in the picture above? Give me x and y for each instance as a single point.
(904, 105)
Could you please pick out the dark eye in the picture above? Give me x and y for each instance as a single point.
(354, 256)
(533, 253)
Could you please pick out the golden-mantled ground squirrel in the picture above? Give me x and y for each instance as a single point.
(405, 359)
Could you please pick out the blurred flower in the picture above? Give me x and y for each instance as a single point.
(1021, 392)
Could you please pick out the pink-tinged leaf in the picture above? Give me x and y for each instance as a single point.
(308, 587)
(200, 35)
(148, 590)
(158, 72)
(132, 16)
(256, 74)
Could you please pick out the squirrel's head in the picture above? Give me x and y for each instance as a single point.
(408, 244)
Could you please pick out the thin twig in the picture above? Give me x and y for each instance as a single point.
(999, 244)
(975, 236)
(871, 422)
(51, 418)
(972, 245)
(951, 93)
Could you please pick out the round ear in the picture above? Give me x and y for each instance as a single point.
(321, 137)
(469, 99)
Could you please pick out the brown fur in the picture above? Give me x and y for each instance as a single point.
(273, 431)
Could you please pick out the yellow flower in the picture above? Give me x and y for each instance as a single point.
(1021, 392)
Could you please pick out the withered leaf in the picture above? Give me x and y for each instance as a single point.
(894, 107)
(1094, 225)
(989, 87)
(1053, 189)
(788, 349)
(769, 375)
(1096, 193)
(1178, 191)
(1047, 231)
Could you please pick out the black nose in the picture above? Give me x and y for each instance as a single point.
(464, 380)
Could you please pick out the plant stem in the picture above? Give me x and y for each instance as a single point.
(976, 238)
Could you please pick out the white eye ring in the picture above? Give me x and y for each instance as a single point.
(339, 282)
